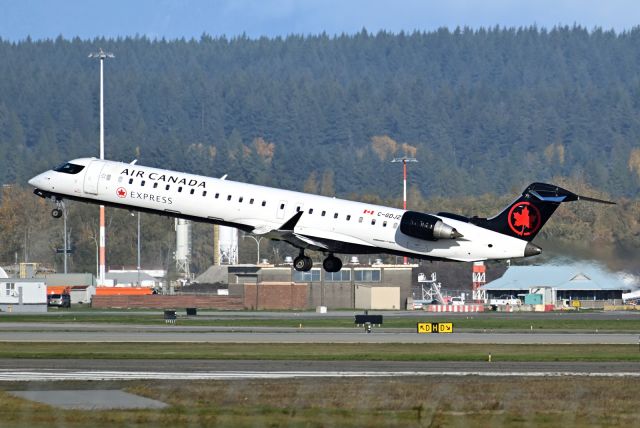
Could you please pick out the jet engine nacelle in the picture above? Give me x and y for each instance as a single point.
(426, 226)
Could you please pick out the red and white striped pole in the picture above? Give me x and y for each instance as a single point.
(102, 55)
(404, 195)
(101, 274)
(404, 189)
(103, 259)
(404, 161)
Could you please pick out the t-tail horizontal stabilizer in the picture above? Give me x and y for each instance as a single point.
(525, 217)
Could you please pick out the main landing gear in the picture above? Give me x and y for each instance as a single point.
(304, 263)
(332, 264)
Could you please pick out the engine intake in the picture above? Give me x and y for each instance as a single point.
(426, 226)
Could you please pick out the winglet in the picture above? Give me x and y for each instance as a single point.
(291, 223)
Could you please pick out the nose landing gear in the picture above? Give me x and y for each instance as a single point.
(58, 210)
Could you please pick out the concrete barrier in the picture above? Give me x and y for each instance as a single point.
(621, 307)
(454, 308)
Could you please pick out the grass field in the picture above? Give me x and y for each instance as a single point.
(394, 402)
(321, 352)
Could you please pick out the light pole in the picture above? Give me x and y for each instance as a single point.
(404, 161)
(64, 217)
(102, 55)
(257, 243)
(137, 214)
(95, 241)
(138, 266)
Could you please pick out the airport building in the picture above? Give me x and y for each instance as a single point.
(280, 287)
(356, 286)
(23, 295)
(572, 282)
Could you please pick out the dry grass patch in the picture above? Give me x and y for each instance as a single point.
(354, 402)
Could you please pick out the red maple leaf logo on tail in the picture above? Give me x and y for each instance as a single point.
(524, 219)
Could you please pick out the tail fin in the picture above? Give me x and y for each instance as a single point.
(525, 217)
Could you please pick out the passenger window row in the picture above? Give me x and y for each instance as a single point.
(348, 217)
(252, 200)
(191, 191)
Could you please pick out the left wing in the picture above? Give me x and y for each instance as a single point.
(286, 233)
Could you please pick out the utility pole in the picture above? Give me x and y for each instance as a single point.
(404, 161)
(138, 266)
(64, 216)
(102, 55)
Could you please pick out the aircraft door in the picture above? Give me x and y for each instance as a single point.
(91, 177)
(282, 206)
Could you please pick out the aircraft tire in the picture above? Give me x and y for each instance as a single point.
(298, 263)
(332, 264)
(308, 263)
(302, 263)
(56, 213)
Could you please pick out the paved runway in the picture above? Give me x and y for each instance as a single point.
(307, 336)
(81, 370)
(111, 333)
(16, 370)
(171, 365)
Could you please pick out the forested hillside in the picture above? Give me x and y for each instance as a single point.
(485, 112)
(482, 111)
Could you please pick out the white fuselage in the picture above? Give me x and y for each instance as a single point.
(358, 225)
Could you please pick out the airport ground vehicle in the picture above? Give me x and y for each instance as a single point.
(59, 300)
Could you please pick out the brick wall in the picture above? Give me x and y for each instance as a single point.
(276, 295)
(157, 301)
(266, 295)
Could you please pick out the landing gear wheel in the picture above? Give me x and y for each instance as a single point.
(303, 263)
(332, 264)
(56, 213)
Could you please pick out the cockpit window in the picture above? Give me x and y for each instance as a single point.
(69, 168)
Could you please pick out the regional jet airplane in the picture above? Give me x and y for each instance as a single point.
(308, 222)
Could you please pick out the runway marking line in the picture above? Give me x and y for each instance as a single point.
(7, 375)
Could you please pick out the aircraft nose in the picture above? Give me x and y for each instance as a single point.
(38, 181)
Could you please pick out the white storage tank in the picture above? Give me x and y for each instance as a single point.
(228, 245)
(183, 246)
